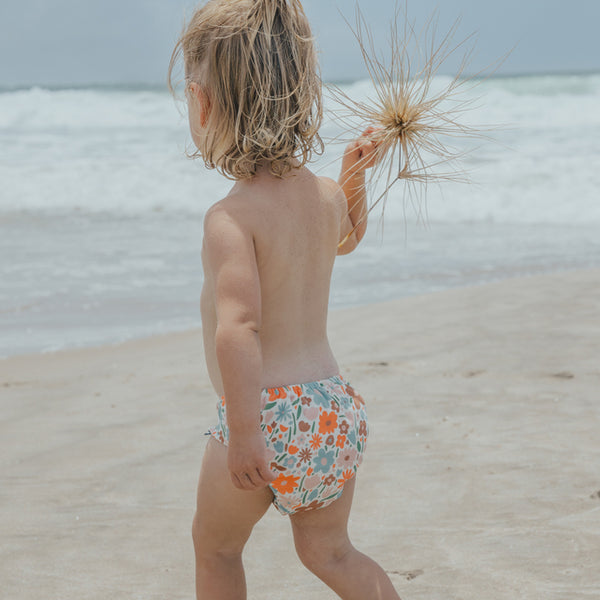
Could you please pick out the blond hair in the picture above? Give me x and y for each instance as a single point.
(256, 61)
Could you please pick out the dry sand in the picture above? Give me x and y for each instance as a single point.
(482, 477)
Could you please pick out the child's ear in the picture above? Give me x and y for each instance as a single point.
(200, 96)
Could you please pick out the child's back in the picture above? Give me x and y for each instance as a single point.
(295, 227)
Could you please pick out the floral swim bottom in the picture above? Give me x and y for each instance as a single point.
(316, 435)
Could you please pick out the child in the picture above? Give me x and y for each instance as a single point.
(291, 431)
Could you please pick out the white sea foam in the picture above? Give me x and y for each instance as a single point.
(123, 152)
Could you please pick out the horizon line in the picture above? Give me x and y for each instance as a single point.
(155, 85)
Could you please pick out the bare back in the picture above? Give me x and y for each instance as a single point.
(296, 224)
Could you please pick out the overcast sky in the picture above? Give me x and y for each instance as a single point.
(130, 41)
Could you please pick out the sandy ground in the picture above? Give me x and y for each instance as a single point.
(482, 477)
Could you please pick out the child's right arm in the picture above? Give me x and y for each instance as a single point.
(359, 156)
(230, 257)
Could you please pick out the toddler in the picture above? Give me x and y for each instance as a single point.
(290, 430)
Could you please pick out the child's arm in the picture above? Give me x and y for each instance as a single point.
(230, 256)
(359, 156)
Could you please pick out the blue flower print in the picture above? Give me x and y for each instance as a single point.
(323, 461)
(313, 495)
(284, 412)
(319, 395)
(278, 446)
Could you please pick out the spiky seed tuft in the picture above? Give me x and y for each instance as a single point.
(416, 123)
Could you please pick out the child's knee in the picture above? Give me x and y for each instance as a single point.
(320, 556)
(208, 543)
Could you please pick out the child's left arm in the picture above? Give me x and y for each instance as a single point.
(230, 256)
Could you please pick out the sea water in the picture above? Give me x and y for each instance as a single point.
(101, 212)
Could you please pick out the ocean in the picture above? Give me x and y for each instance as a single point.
(101, 211)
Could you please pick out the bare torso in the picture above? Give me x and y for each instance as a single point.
(295, 224)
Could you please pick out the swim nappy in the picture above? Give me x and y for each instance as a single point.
(316, 435)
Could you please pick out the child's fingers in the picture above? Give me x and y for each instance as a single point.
(368, 151)
(246, 481)
(253, 478)
(266, 475)
(371, 132)
(257, 478)
(236, 481)
(362, 153)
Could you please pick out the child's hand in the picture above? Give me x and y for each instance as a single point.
(247, 461)
(361, 154)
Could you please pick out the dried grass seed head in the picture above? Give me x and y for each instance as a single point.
(416, 114)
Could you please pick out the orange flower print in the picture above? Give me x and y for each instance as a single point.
(292, 449)
(327, 422)
(276, 393)
(315, 441)
(285, 484)
(347, 475)
(341, 441)
(297, 390)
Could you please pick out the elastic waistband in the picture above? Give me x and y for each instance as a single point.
(333, 380)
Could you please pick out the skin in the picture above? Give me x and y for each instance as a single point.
(268, 252)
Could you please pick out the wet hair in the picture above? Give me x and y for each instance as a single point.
(256, 61)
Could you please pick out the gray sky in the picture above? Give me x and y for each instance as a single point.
(130, 41)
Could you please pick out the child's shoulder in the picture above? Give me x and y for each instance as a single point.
(227, 222)
(235, 207)
(244, 213)
(333, 192)
(331, 185)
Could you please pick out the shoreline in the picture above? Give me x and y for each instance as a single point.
(191, 330)
(480, 477)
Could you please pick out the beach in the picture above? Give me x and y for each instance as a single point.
(481, 478)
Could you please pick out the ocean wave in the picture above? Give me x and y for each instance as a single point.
(123, 151)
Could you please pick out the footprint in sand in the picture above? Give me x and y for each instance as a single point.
(408, 575)
(475, 373)
(7, 384)
(563, 375)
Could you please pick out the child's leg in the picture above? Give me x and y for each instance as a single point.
(223, 522)
(322, 543)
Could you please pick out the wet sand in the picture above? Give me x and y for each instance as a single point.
(481, 480)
